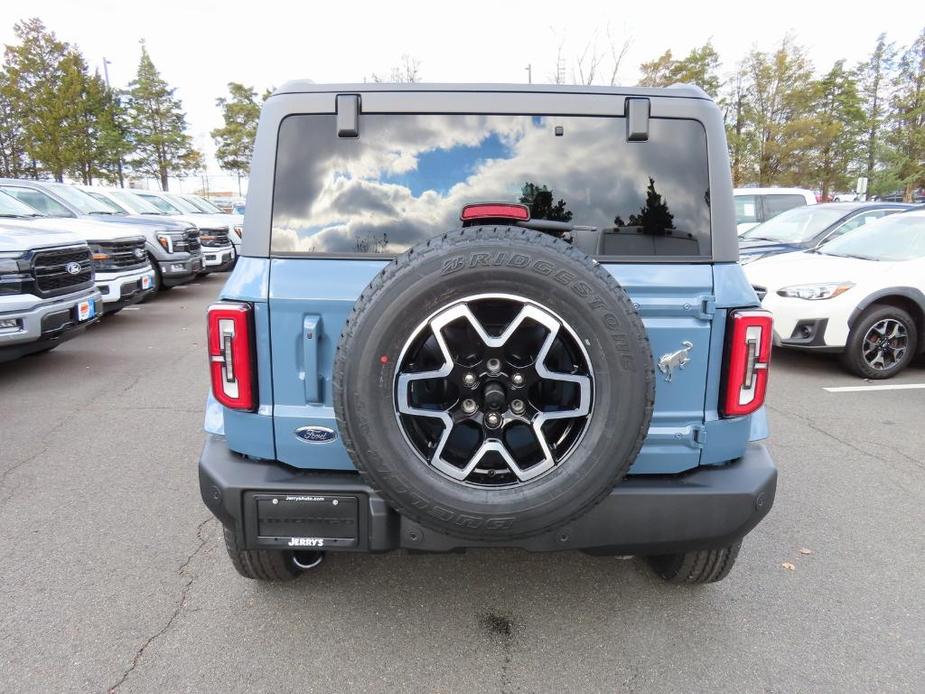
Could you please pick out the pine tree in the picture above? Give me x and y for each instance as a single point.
(235, 139)
(873, 78)
(779, 102)
(157, 126)
(13, 160)
(540, 201)
(835, 130)
(907, 119)
(36, 71)
(700, 67)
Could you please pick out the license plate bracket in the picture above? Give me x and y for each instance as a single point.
(306, 520)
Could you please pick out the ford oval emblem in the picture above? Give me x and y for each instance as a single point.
(73, 268)
(316, 434)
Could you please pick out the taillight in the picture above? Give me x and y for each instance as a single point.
(748, 354)
(495, 210)
(231, 355)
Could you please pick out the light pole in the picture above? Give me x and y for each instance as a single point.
(106, 64)
(529, 70)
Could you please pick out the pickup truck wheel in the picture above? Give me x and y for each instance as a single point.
(159, 285)
(704, 566)
(493, 383)
(882, 343)
(261, 564)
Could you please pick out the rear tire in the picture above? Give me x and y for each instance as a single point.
(260, 564)
(704, 566)
(857, 355)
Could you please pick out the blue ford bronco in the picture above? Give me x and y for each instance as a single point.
(488, 316)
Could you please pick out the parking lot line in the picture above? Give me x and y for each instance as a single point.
(132, 308)
(856, 389)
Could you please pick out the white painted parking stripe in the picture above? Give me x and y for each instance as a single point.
(857, 389)
(132, 308)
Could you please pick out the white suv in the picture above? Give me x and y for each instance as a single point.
(861, 295)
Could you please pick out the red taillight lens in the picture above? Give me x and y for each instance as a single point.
(748, 355)
(495, 210)
(231, 355)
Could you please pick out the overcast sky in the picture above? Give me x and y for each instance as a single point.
(200, 45)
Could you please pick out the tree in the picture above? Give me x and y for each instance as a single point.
(873, 78)
(13, 160)
(907, 120)
(834, 130)
(407, 72)
(779, 101)
(740, 137)
(235, 139)
(157, 126)
(700, 67)
(36, 69)
(540, 201)
(654, 217)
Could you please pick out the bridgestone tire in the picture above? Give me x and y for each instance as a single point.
(260, 564)
(510, 261)
(704, 566)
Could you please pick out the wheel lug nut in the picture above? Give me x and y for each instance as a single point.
(517, 406)
(493, 419)
(517, 379)
(469, 406)
(469, 380)
(494, 365)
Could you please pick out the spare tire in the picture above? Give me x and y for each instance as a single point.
(493, 383)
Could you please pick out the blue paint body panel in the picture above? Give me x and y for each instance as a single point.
(301, 305)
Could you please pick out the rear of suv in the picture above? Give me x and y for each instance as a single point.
(482, 316)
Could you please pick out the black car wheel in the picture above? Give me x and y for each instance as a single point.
(882, 342)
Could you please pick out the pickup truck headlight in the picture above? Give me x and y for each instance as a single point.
(169, 240)
(13, 273)
(815, 292)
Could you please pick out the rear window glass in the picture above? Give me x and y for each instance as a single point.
(407, 178)
(775, 204)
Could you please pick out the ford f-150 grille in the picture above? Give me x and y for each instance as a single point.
(62, 270)
(125, 254)
(214, 237)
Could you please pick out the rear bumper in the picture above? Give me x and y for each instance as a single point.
(709, 507)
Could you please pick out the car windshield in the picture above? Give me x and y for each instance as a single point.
(897, 237)
(202, 204)
(795, 226)
(134, 203)
(182, 204)
(81, 202)
(160, 203)
(11, 207)
(99, 197)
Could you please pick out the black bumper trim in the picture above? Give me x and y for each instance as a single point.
(708, 507)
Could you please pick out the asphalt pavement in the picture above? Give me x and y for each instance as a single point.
(113, 575)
